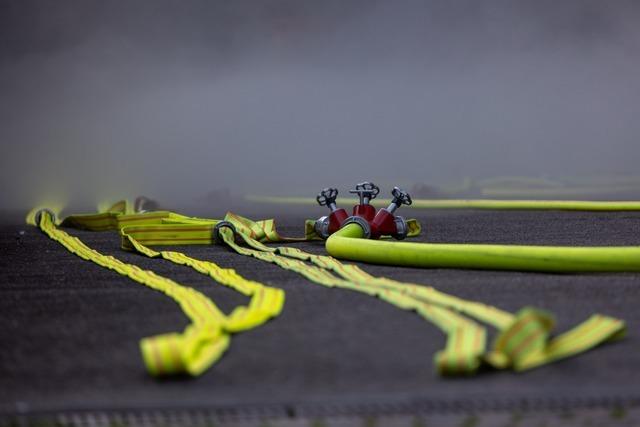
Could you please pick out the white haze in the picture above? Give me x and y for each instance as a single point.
(173, 99)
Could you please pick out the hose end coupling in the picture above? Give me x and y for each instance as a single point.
(38, 216)
(217, 238)
(402, 228)
(363, 223)
(322, 226)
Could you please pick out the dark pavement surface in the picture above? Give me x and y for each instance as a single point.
(69, 330)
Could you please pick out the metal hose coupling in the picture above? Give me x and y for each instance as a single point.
(144, 204)
(321, 227)
(38, 216)
(363, 223)
(402, 228)
(217, 238)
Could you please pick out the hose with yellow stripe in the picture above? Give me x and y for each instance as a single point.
(524, 341)
(207, 337)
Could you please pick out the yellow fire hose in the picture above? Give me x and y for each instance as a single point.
(524, 340)
(208, 335)
(538, 187)
(567, 205)
(348, 243)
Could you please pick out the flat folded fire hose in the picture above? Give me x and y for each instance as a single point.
(523, 342)
(207, 337)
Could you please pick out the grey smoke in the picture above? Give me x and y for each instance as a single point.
(174, 99)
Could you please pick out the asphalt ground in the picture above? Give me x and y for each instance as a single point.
(69, 329)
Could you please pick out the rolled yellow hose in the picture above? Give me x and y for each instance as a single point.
(348, 243)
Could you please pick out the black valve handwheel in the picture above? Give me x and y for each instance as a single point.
(327, 196)
(370, 188)
(401, 197)
(366, 189)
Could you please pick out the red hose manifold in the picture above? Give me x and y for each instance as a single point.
(326, 225)
(385, 223)
(367, 191)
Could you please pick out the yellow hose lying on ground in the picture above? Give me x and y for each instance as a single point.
(524, 339)
(208, 335)
(567, 205)
(540, 187)
(348, 243)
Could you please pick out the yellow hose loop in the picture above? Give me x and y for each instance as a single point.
(522, 344)
(163, 354)
(464, 336)
(524, 339)
(192, 352)
(527, 336)
(208, 336)
(348, 277)
(527, 345)
(464, 352)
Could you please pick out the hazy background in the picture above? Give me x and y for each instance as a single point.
(174, 99)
